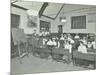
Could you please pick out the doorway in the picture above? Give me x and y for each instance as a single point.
(60, 29)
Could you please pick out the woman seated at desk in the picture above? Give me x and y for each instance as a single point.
(54, 43)
(68, 46)
(90, 47)
(51, 43)
(44, 42)
(82, 48)
(76, 36)
(94, 44)
(84, 40)
(71, 40)
(89, 44)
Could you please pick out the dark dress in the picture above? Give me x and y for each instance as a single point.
(34, 43)
(61, 43)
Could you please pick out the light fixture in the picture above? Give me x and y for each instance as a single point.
(63, 18)
(32, 12)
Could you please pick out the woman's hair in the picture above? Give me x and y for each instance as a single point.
(81, 42)
(89, 42)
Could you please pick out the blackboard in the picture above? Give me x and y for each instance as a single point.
(15, 20)
(18, 35)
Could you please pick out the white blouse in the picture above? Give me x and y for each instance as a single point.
(69, 47)
(82, 49)
(76, 37)
(49, 43)
(62, 38)
(94, 44)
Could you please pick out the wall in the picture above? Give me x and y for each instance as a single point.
(23, 20)
(90, 26)
(90, 21)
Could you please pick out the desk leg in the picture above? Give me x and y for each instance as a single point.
(26, 47)
(19, 53)
(74, 60)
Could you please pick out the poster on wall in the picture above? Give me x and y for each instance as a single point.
(32, 21)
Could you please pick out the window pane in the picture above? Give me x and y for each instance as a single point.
(78, 22)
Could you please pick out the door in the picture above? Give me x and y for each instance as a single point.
(60, 29)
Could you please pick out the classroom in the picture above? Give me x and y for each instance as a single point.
(52, 37)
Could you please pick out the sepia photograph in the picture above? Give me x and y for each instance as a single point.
(52, 37)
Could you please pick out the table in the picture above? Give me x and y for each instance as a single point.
(42, 52)
(91, 50)
(84, 58)
(58, 53)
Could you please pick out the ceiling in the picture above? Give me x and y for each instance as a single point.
(52, 8)
(30, 5)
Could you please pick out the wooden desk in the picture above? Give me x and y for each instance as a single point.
(91, 50)
(60, 51)
(84, 58)
(42, 52)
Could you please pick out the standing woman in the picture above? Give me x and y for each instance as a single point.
(62, 41)
(34, 42)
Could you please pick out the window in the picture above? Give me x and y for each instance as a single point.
(44, 25)
(78, 22)
(15, 20)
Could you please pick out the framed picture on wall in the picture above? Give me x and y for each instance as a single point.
(32, 21)
(44, 25)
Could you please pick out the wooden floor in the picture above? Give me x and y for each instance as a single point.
(33, 64)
